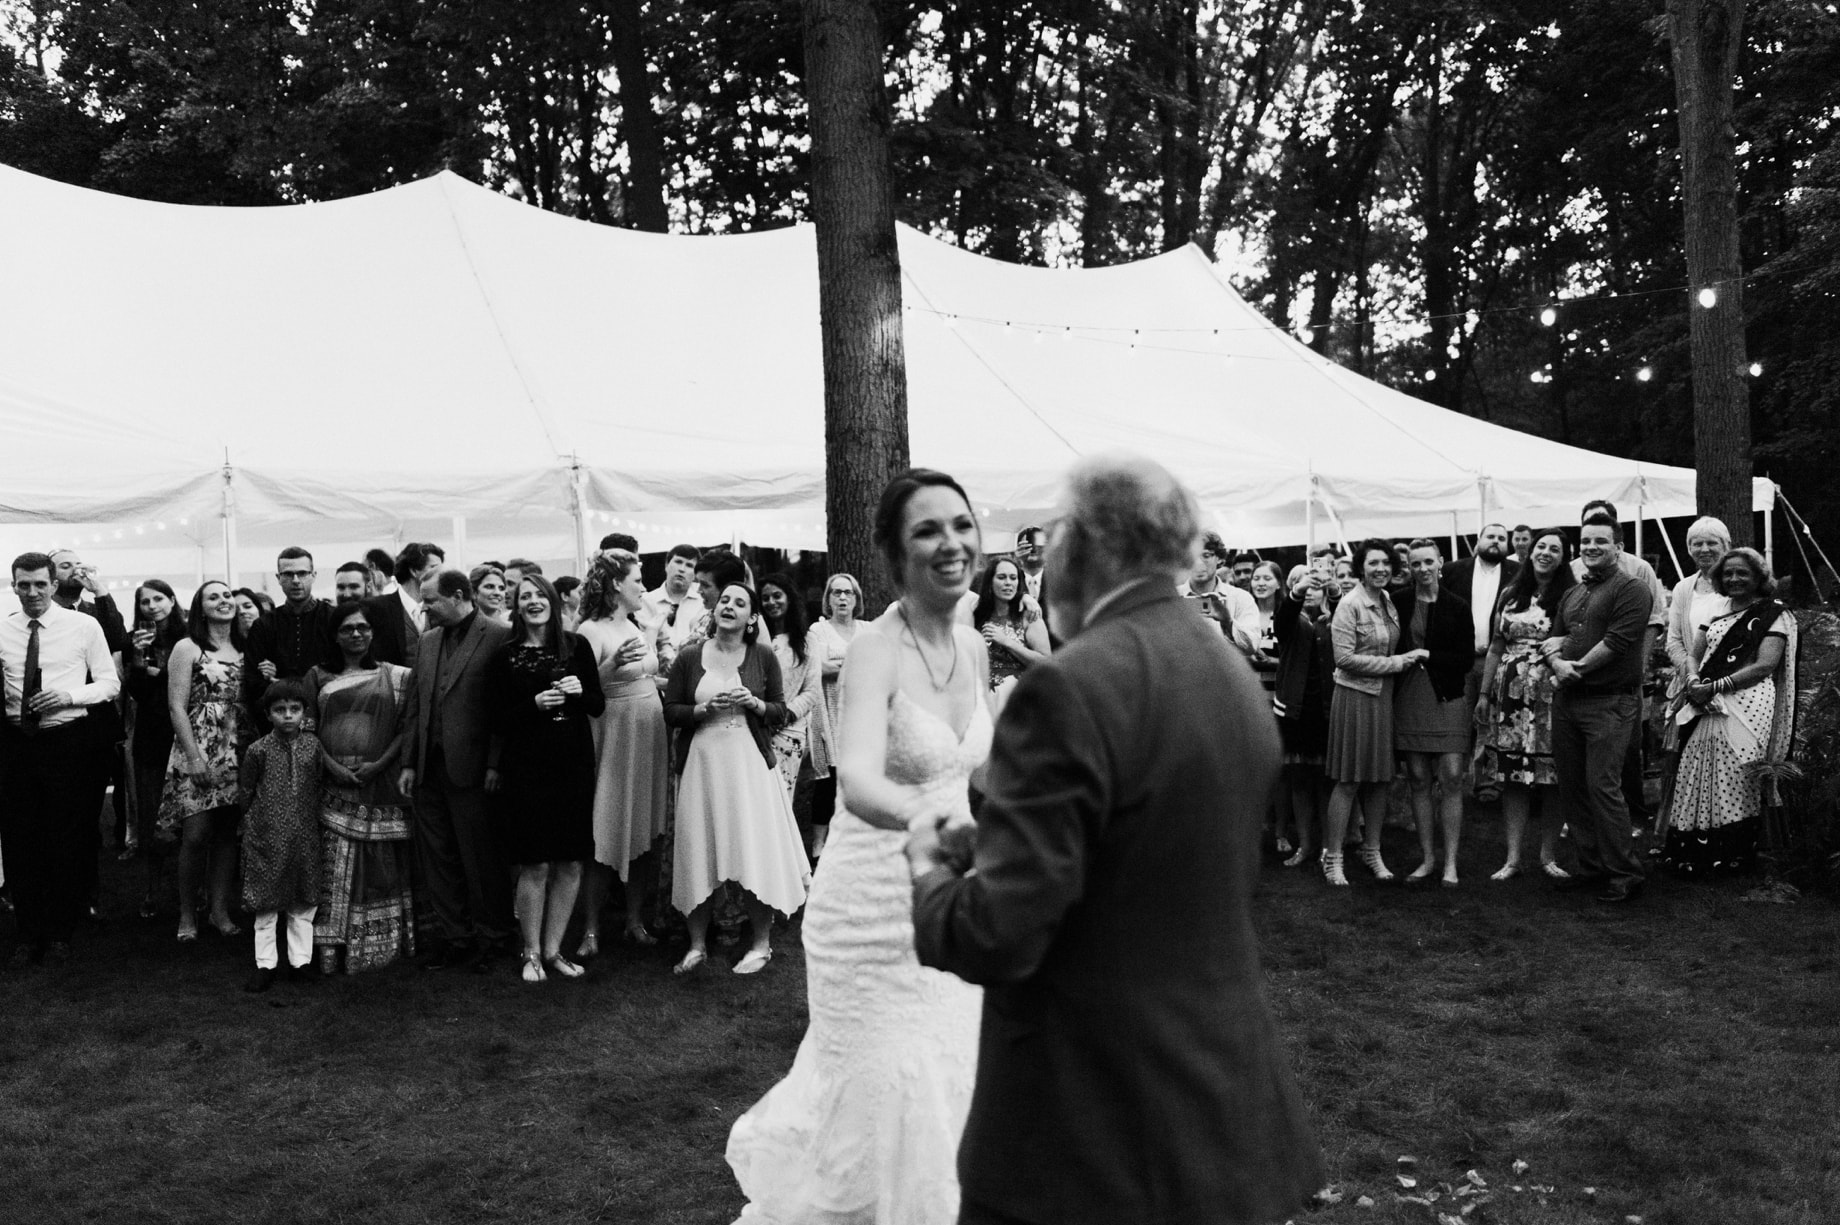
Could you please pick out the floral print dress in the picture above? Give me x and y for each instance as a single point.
(221, 727)
(1514, 733)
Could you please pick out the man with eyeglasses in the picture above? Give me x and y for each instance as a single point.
(293, 637)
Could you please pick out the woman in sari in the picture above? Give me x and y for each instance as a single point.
(1737, 709)
(364, 909)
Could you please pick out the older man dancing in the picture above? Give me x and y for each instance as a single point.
(1129, 1070)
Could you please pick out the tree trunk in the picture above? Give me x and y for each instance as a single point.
(859, 279)
(1706, 36)
(645, 208)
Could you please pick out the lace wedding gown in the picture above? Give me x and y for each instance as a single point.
(864, 1129)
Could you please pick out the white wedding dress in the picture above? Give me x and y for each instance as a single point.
(864, 1129)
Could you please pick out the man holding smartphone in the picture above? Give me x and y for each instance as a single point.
(1232, 607)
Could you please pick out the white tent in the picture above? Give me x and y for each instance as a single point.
(438, 360)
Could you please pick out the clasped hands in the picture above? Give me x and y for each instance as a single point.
(1565, 672)
(735, 699)
(940, 834)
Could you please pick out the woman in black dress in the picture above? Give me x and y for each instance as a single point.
(543, 689)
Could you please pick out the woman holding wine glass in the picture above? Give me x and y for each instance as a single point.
(542, 688)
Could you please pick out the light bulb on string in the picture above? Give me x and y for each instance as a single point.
(1430, 376)
(1644, 374)
(1066, 335)
(1307, 336)
(1548, 317)
(1008, 329)
(1708, 297)
(1756, 370)
(1537, 377)
(1038, 335)
(951, 321)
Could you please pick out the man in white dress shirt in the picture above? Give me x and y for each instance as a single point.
(1480, 580)
(677, 602)
(397, 617)
(48, 655)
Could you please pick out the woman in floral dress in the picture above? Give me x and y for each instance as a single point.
(1514, 715)
(211, 728)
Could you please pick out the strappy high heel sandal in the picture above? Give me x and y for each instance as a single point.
(1332, 869)
(1370, 855)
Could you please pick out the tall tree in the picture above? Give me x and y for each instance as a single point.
(859, 277)
(1706, 37)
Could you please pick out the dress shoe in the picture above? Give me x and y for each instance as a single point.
(261, 980)
(57, 953)
(304, 976)
(1616, 895)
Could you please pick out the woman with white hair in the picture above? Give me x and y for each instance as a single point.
(1697, 599)
(1737, 709)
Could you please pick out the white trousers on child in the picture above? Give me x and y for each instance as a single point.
(299, 937)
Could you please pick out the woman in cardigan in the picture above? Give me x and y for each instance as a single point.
(1737, 709)
(1366, 634)
(828, 640)
(733, 819)
(1431, 719)
(1697, 599)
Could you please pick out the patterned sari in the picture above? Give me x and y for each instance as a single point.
(364, 904)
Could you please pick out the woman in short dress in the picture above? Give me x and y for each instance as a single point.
(632, 747)
(1365, 632)
(1514, 712)
(734, 822)
(211, 729)
(1431, 720)
(542, 689)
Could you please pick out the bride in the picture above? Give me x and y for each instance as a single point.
(864, 1129)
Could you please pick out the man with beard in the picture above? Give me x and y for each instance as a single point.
(1480, 579)
(73, 580)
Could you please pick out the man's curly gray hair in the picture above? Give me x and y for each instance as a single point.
(1128, 517)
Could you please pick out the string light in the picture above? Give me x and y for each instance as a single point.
(1644, 374)
(1709, 297)
(1307, 336)
(1756, 370)
(1549, 316)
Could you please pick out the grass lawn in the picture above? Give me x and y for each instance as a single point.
(1676, 1057)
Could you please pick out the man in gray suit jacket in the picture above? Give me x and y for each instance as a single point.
(449, 765)
(1129, 1069)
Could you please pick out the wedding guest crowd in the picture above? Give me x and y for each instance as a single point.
(437, 763)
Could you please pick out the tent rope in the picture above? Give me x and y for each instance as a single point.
(1813, 574)
(996, 374)
(498, 325)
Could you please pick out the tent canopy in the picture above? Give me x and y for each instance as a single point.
(437, 351)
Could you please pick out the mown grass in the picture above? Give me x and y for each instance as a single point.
(1676, 1057)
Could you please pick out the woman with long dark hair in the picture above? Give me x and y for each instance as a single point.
(1431, 720)
(1515, 712)
(159, 626)
(211, 729)
(365, 916)
(866, 1124)
(542, 689)
(803, 742)
(734, 822)
(1015, 635)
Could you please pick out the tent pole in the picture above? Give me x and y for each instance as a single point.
(1769, 532)
(459, 558)
(1641, 501)
(578, 502)
(1661, 527)
(1455, 533)
(229, 515)
(1309, 516)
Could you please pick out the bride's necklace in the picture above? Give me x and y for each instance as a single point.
(938, 685)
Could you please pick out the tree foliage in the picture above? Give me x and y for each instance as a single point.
(1411, 181)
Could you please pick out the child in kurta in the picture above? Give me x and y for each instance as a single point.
(279, 786)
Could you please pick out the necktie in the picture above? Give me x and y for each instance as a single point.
(34, 681)
(670, 618)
